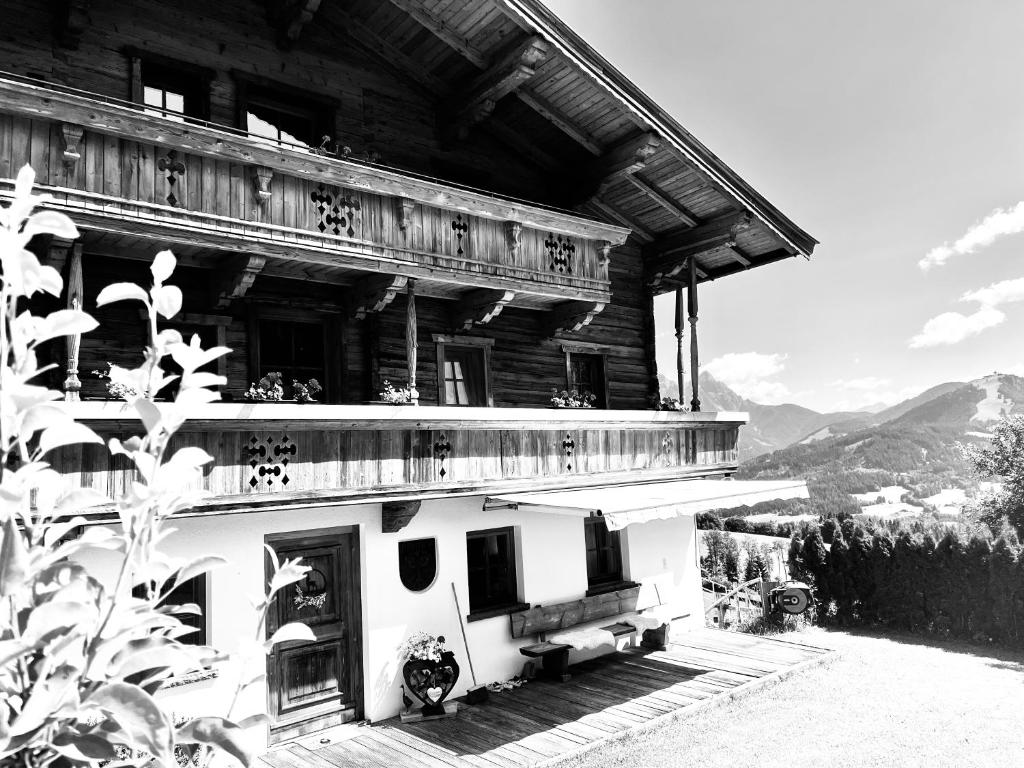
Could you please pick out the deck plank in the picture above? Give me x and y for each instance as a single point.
(544, 720)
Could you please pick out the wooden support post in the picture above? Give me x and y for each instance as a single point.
(680, 344)
(691, 290)
(410, 338)
(72, 384)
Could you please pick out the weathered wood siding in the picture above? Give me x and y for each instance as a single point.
(378, 110)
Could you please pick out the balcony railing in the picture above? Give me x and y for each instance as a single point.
(119, 170)
(273, 454)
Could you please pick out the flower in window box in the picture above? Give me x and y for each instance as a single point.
(267, 389)
(572, 399)
(117, 388)
(398, 395)
(668, 404)
(306, 393)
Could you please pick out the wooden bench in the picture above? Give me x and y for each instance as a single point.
(559, 616)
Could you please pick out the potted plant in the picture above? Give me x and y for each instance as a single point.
(306, 393)
(668, 404)
(572, 399)
(117, 390)
(398, 396)
(430, 671)
(267, 389)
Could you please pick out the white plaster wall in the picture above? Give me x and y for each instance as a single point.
(551, 568)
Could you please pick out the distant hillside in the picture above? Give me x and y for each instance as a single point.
(771, 426)
(916, 449)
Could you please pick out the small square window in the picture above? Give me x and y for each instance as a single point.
(295, 349)
(463, 370)
(491, 568)
(171, 89)
(604, 553)
(191, 591)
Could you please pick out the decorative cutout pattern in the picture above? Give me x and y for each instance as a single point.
(174, 168)
(441, 450)
(569, 446)
(460, 228)
(336, 212)
(269, 460)
(560, 253)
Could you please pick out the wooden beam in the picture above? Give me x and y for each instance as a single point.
(374, 293)
(716, 232)
(395, 515)
(625, 158)
(508, 72)
(571, 316)
(737, 254)
(779, 254)
(662, 198)
(393, 57)
(526, 149)
(70, 20)
(563, 123)
(242, 274)
(621, 218)
(289, 17)
(479, 307)
(442, 31)
(665, 268)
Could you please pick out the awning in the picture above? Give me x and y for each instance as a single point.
(631, 504)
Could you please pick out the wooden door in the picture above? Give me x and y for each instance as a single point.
(317, 684)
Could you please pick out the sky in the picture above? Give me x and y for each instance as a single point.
(893, 132)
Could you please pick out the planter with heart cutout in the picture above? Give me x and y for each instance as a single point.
(431, 681)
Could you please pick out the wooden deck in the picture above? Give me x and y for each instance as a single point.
(542, 722)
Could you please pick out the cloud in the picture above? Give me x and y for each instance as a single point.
(869, 391)
(954, 327)
(999, 223)
(750, 374)
(868, 383)
(1003, 292)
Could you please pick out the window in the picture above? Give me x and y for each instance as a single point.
(604, 553)
(294, 348)
(170, 88)
(283, 115)
(191, 591)
(463, 370)
(586, 374)
(491, 565)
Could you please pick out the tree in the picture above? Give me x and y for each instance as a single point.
(79, 663)
(1003, 459)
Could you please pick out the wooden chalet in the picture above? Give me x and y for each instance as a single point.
(460, 197)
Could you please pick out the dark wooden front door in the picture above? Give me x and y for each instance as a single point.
(318, 684)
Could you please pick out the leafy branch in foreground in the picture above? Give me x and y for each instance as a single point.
(80, 660)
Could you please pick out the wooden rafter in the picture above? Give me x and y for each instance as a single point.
(503, 77)
(625, 158)
(571, 316)
(737, 254)
(394, 58)
(242, 274)
(779, 254)
(554, 116)
(289, 17)
(374, 293)
(717, 232)
(479, 307)
(663, 199)
(442, 31)
(527, 149)
(621, 218)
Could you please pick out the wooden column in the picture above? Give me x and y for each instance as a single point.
(691, 290)
(680, 343)
(410, 336)
(72, 384)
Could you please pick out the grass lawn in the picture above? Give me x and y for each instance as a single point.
(885, 701)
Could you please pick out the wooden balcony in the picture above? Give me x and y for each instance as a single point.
(210, 191)
(270, 455)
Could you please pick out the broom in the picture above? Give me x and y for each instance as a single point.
(478, 694)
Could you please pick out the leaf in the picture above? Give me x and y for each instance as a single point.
(50, 280)
(13, 559)
(64, 322)
(139, 716)
(121, 292)
(51, 223)
(163, 266)
(288, 633)
(253, 720)
(148, 413)
(216, 732)
(58, 616)
(287, 574)
(66, 434)
(198, 566)
(167, 300)
(81, 747)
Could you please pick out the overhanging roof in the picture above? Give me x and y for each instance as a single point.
(632, 504)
